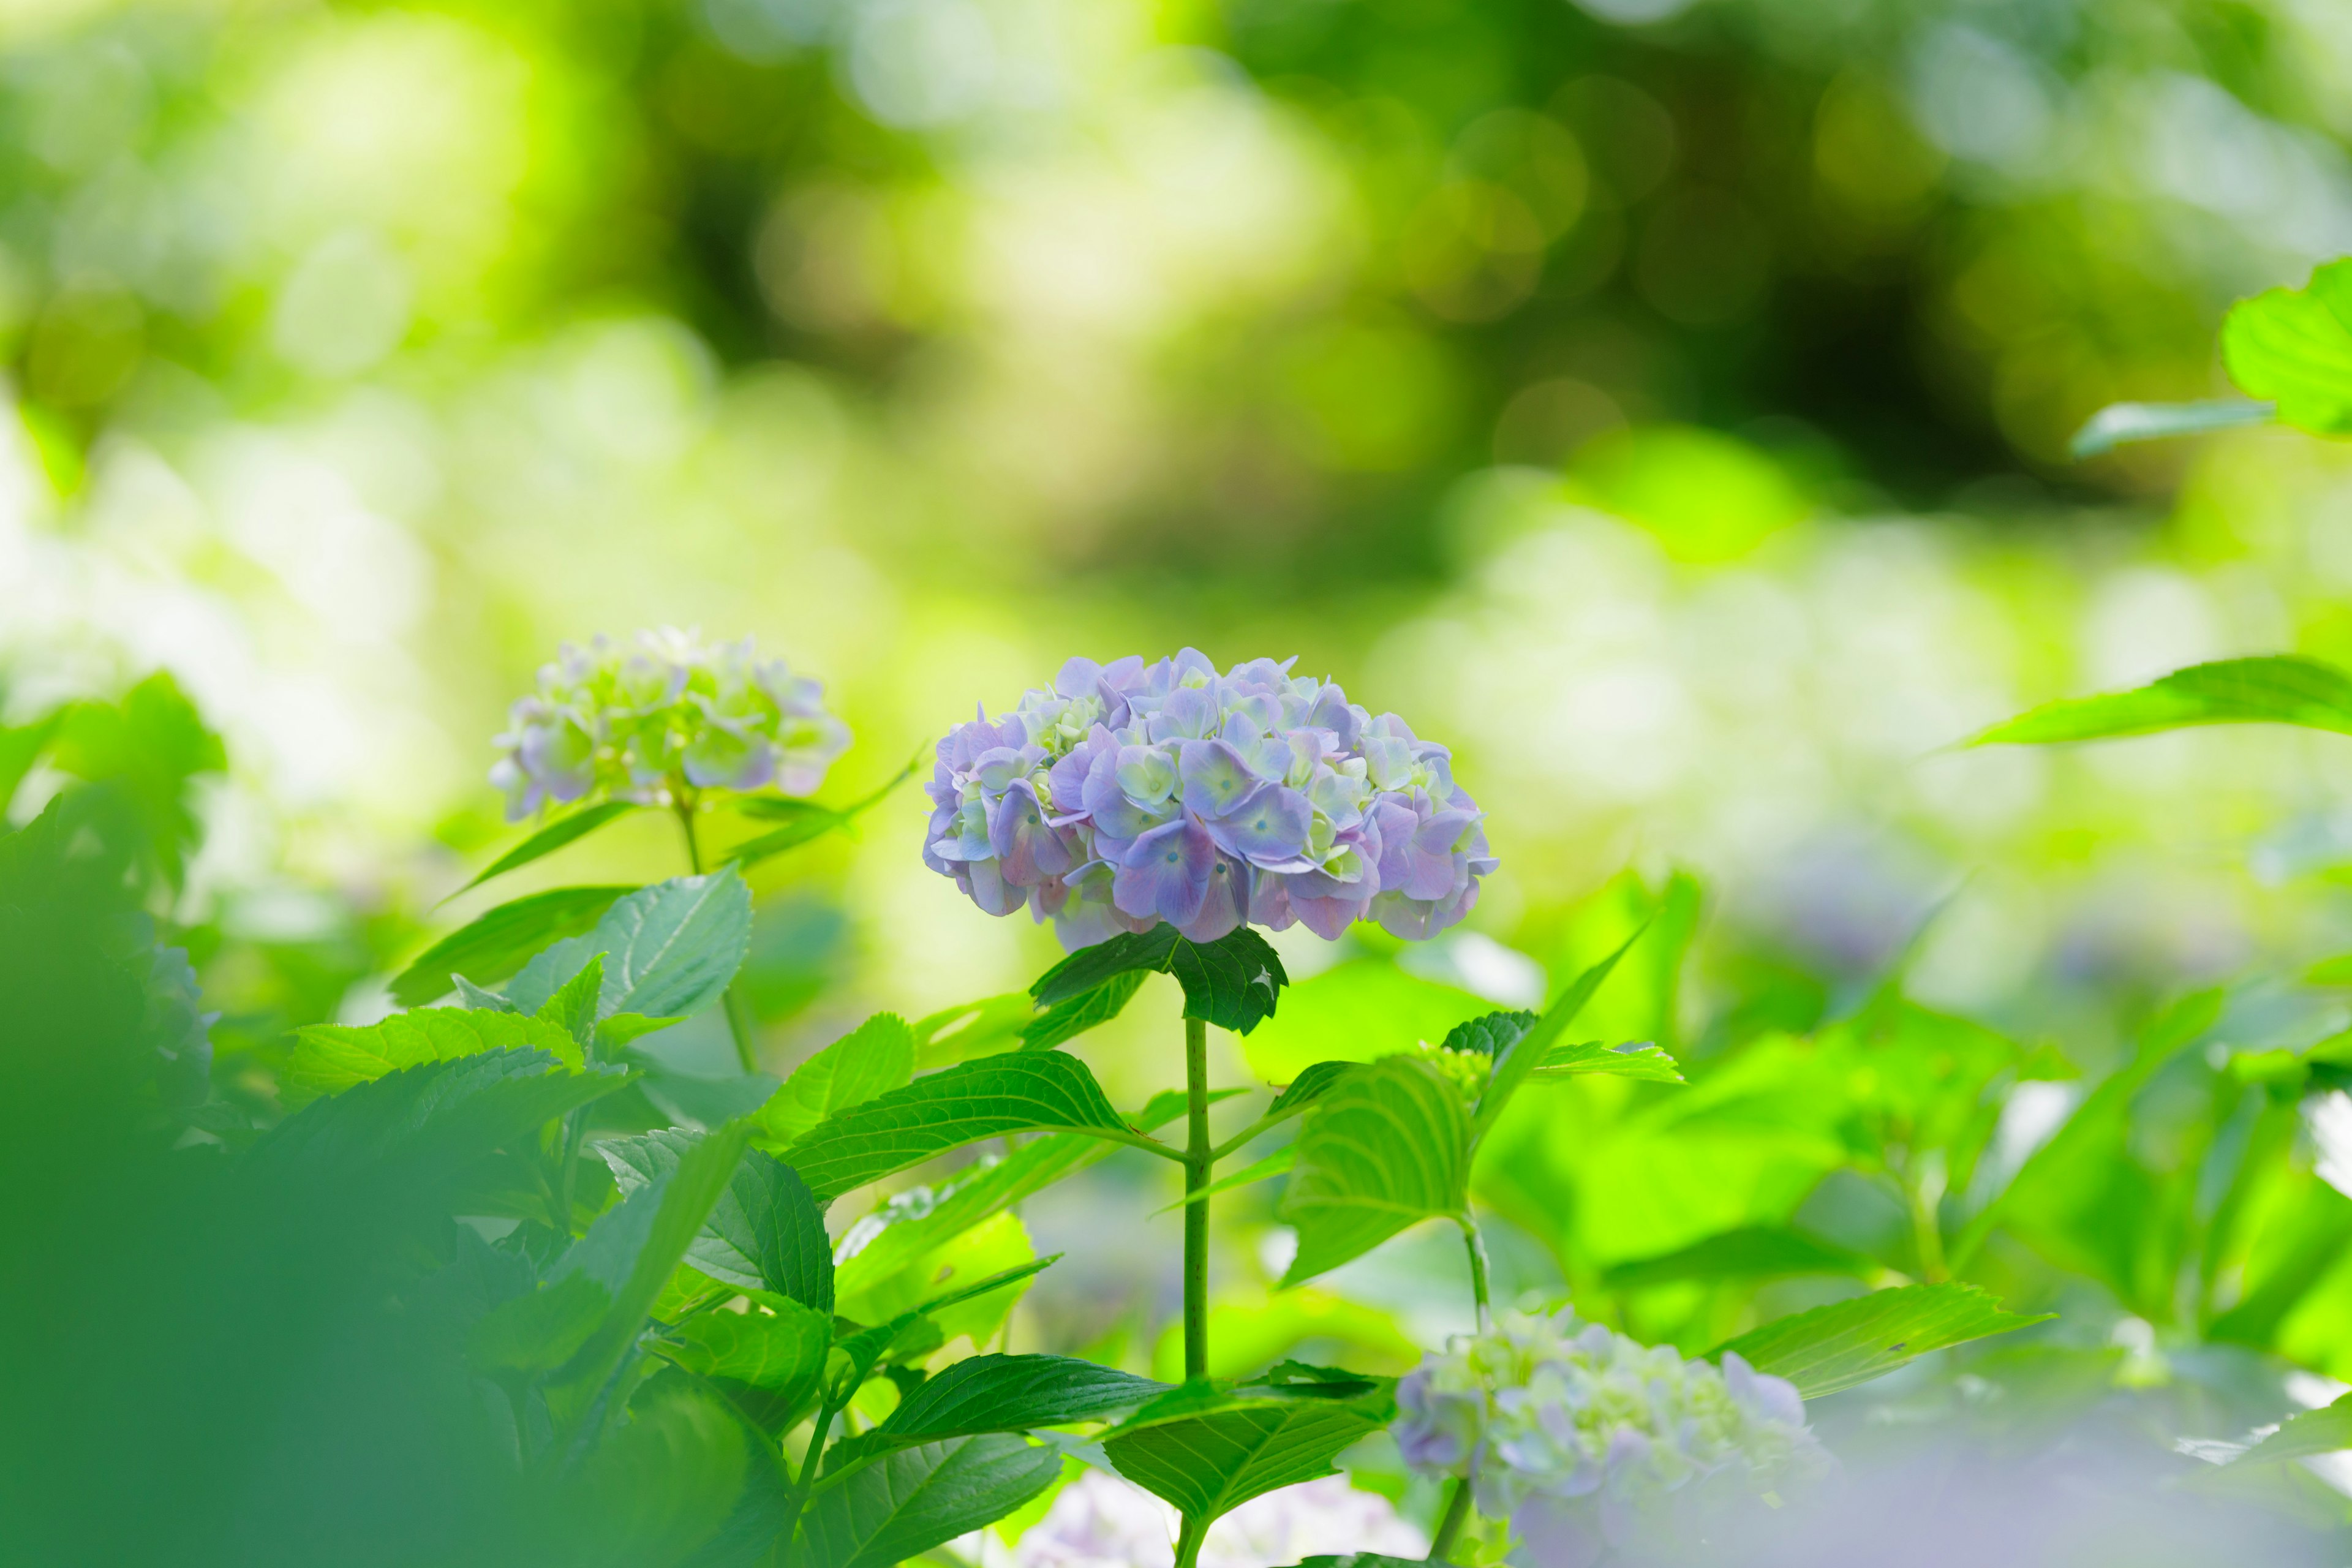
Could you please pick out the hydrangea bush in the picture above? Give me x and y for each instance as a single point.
(1558, 1426)
(1130, 793)
(674, 715)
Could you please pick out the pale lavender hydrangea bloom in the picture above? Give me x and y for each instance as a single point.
(1132, 793)
(674, 713)
(1566, 1428)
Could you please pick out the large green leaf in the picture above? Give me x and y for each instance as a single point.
(1210, 1446)
(2119, 422)
(1386, 1146)
(781, 1351)
(2294, 347)
(329, 1058)
(534, 1333)
(873, 1058)
(655, 1488)
(498, 942)
(1014, 1393)
(883, 1513)
(564, 830)
(434, 1118)
(1521, 1058)
(1024, 1091)
(764, 1232)
(634, 1247)
(1232, 981)
(2279, 689)
(1752, 1252)
(1849, 1342)
(669, 950)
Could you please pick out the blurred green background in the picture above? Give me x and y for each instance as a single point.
(1661, 401)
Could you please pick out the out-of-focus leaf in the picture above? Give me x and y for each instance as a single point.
(496, 943)
(1024, 1091)
(2279, 689)
(329, 1058)
(20, 747)
(802, 821)
(855, 1356)
(656, 1487)
(1849, 1342)
(2293, 347)
(704, 1101)
(535, 1333)
(1383, 1148)
(1280, 1163)
(151, 747)
(564, 830)
(970, 1200)
(2121, 423)
(763, 1233)
(1210, 1446)
(1088, 1009)
(1634, 1060)
(1533, 1049)
(1357, 1012)
(907, 1503)
(988, 1027)
(669, 950)
(1232, 981)
(873, 1058)
(2326, 1430)
(1308, 1086)
(1753, 1252)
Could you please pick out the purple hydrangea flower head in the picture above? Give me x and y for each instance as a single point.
(1130, 794)
(673, 716)
(1566, 1428)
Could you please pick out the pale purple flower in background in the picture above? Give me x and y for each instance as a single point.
(1129, 793)
(674, 714)
(1101, 1522)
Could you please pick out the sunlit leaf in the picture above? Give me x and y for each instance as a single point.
(496, 943)
(781, 1351)
(1385, 1147)
(2279, 689)
(1635, 1059)
(329, 1058)
(1521, 1058)
(802, 821)
(669, 950)
(2293, 347)
(1752, 1252)
(873, 1058)
(1014, 1393)
(564, 830)
(1849, 1342)
(763, 1232)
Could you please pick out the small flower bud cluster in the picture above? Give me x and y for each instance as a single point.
(675, 713)
(1554, 1419)
(1132, 793)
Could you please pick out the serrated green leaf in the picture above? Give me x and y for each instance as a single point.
(912, 1500)
(537, 1332)
(1849, 1342)
(480, 999)
(763, 1233)
(2119, 423)
(1634, 1060)
(1522, 1056)
(872, 1059)
(564, 830)
(634, 1247)
(2326, 1430)
(497, 943)
(329, 1059)
(1089, 1009)
(1024, 1091)
(690, 1099)
(1385, 1147)
(669, 950)
(1752, 1252)
(1232, 981)
(2280, 689)
(1308, 1086)
(2293, 347)
(1491, 1033)
(1208, 1447)
(1014, 1393)
(572, 1008)
(782, 1351)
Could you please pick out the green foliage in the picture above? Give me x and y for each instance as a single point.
(780, 1351)
(149, 749)
(873, 1058)
(2326, 1430)
(329, 1058)
(763, 1233)
(2119, 423)
(1751, 1252)
(2293, 347)
(1364, 1008)
(1009, 1393)
(1232, 981)
(801, 822)
(913, 1500)
(1208, 1446)
(1385, 1147)
(493, 945)
(669, 950)
(1022, 1093)
(2279, 689)
(566, 829)
(1073, 1016)
(1848, 1342)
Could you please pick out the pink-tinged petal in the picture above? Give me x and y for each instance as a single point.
(1166, 872)
(1227, 905)
(1326, 916)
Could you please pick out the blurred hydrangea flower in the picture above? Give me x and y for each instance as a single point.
(676, 714)
(1101, 1522)
(1567, 1429)
(1132, 793)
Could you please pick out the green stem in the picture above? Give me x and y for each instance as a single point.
(1449, 1528)
(1477, 1249)
(1197, 1164)
(1188, 1541)
(738, 1024)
